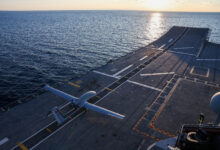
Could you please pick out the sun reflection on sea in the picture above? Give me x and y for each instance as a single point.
(155, 25)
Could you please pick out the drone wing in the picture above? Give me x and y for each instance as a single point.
(103, 110)
(61, 94)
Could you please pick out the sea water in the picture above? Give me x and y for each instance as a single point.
(46, 47)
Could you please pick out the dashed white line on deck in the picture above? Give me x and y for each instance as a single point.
(126, 68)
(4, 140)
(143, 58)
(162, 46)
(170, 40)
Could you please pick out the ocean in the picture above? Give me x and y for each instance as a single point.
(47, 47)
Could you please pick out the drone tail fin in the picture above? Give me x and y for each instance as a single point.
(58, 115)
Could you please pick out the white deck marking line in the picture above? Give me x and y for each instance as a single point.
(109, 93)
(143, 58)
(142, 144)
(162, 46)
(64, 105)
(126, 68)
(150, 147)
(208, 59)
(4, 140)
(200, 49)
(170, 40)
(104, 74)
(181, 53)
(136, 83)
(183, 48)
(144, 85)
(156, 74)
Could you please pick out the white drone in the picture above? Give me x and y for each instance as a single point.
(81, 102)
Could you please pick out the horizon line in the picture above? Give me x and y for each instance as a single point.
(114, 10)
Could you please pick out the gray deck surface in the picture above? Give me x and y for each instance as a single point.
(158, 88)
(187, 105)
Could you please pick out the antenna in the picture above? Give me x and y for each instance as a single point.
(215, 106)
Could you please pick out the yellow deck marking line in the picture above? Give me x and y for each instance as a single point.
(152, 123)
(97, 96)
(73, 84)
(207, 73)
(146, 134)
(22, 146)
(48, 130)
(79, 81)
(109, 89)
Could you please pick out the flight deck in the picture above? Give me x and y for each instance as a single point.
(158, 88)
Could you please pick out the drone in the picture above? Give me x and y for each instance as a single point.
(81, 102)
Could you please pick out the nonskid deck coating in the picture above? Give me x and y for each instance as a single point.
(117, 90)
(187, 105)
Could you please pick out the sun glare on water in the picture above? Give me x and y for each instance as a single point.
(156, 5)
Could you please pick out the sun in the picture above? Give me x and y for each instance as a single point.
(156, 5)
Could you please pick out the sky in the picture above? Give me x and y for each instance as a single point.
(148, 5)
